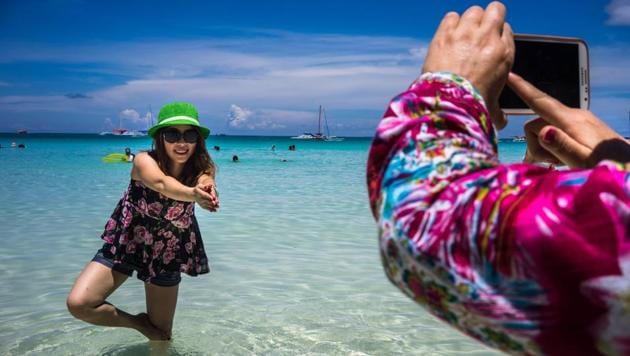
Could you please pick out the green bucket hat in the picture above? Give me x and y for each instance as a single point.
(178, 113)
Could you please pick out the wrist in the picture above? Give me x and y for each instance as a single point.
(452, 79)
(452, 91)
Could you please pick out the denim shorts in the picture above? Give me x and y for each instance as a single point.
(164, 279)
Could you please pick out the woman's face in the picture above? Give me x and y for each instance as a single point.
(180, 142)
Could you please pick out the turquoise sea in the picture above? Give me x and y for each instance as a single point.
(293, 250)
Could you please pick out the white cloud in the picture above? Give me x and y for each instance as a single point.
(132, 119)
(610, 67)
(130, 114)
(614, 110)
(238, 116)
(242, 118)
(277, 80)
(281, 81)
(619, 12)
(419, 52)
(26, 103)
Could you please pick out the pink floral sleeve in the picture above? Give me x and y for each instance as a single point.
(522, 258)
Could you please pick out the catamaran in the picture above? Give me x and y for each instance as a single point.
(117, 131)
(120, 131)
(319, 135)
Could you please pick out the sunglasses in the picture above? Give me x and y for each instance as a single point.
(174, 135)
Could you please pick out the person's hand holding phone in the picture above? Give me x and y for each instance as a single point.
(574, 137)
(478, 46)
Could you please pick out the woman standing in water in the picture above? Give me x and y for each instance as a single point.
(153, 229)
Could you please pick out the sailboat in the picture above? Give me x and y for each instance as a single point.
(319, 135)
(149, 123)
(117, 131)
(120, 131)
(137, 133)
(140, 133)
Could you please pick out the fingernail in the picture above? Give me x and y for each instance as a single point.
(549, 136)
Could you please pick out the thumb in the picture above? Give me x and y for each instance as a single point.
(563, 147)
(496, 115)
(202, 192)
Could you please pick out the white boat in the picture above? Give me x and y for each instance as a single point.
(132, 133)
(518, 139)
(117, 131)
(319, 135)
(123, 132)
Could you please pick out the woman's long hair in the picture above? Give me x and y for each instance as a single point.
(199, 162)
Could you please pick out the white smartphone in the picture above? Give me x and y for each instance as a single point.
(559, 66)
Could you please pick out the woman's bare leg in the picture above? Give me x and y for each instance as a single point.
(86, 301)
(161, 303)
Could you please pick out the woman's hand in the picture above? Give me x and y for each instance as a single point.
(206, 183)
(214, 196)
(478, 46)
(205, 197)
(574, 137)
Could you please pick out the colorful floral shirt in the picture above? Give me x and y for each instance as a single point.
(153, 234)
(522, 258)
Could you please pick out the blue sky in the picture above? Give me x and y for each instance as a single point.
(259, 67)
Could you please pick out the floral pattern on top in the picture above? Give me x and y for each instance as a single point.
(524, 259)
(153, 234)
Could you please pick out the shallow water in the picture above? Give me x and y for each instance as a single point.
(293, 251)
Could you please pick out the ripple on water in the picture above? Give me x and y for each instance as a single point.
(294, 257)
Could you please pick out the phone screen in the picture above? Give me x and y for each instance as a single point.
(552, 67)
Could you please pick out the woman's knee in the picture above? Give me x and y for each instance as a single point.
(79, 306)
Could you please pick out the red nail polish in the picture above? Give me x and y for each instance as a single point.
(550, 136)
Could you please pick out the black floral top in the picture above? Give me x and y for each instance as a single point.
(153, 234)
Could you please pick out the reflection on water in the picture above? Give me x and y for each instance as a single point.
(146, 349)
